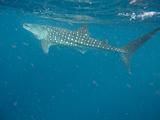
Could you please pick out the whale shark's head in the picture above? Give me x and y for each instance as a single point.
(39, 31)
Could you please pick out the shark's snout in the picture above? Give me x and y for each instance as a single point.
(38, 30)
(27, 26)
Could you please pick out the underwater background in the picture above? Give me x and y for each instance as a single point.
(68, 85)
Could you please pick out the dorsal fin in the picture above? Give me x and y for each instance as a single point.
(83, 30)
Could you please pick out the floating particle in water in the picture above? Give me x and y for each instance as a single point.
(98, 110)
(15, 103)
(25, 44)
(16, 29)
(52, 97)
(19, 57)
(13, 46)
(157, 92)
(129, 85)
(62, 90)
(126, 114)
(39, 100)
(94, 82)
(32, 65)
(73, 91)
(77, 66)
(5, 83)
(151, 84)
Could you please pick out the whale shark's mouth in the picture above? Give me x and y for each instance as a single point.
(27, 26)
(33, 28)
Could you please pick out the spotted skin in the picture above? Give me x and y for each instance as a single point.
(50, 36)
(79, 39)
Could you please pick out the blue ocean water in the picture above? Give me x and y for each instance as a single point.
(68, 85)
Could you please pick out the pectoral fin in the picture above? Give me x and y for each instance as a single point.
(82, 51)
(45, 46)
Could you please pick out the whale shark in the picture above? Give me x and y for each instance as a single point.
(80, 39)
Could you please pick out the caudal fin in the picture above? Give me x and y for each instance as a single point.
(132, 46)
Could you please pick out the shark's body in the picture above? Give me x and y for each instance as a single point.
(80, 39)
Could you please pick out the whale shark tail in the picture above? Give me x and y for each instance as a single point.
(132, 46)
